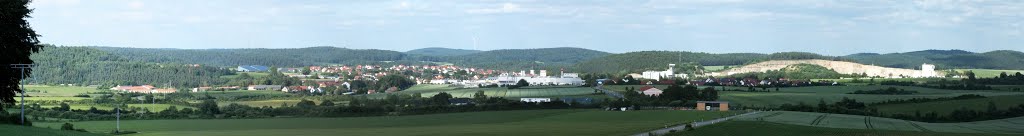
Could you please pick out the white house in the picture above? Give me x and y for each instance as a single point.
(535, 99)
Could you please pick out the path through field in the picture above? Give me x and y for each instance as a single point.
(696, 124)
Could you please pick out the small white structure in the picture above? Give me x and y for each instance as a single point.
(535, 99)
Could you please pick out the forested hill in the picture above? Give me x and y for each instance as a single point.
(508, 59)
(659, 60)
(945, 59)
(89, 66)
(438, 51)
(545, 58)
(269, 57)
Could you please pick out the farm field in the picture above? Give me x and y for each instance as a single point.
(755, 128)
(1003, 126)
(811, 95)
(36, 131)
(945, 107)
(272, 103)
(532, 91)
(527, 122)
(989, 73)
(45, 90)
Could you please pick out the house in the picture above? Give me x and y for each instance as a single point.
(650, 91)
(535, 99)
(265, 87)
(459, 101)
(252, 68)
(294, 88)
(134, 89)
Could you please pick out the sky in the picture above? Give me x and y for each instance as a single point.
(831, 27)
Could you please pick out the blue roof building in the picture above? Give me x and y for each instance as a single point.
(252, 68)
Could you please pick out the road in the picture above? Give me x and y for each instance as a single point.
(609, 93)
(697, 124)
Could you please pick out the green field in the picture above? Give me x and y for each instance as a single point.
(528, 122)
(763, 128)
(989, 73)
(54, 98)
(273, 103)
(1003, 126)
(532, 91)
(45, 90)
(811, 95)
(12, 130)
(945, 107)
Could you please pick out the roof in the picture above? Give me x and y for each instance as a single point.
(647, 88)
(712, 101)
(254, 68)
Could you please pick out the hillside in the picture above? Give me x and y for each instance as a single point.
(89, 66)
(945, 59)
(438, 51)
(659, 60)
(518, 59)
(269, 57)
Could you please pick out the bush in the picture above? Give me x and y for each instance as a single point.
(689, 127)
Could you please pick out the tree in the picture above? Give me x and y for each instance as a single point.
(306, 71)
(441, 98)
(970, 75)
(208, 107)
(65, 107)
(327, 103)
(305, 104)
(479, 97)
(522, 82)
(690, 92)
(67, 126)
(18, 42)
(1002, 75)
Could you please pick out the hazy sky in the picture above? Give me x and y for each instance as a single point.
(837, 27)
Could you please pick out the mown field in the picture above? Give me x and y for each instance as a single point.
(945, 107)
(1003, 126)
(55, 91)
(532, 91)
(517, 123)
(811, 95)
(763, 128)
(13, 130)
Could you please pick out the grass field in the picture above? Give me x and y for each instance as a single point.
(1003, 126)
(274, 103)
(945, 107)
(45, 90)
(762, 128)
(811, 95)
(244, 93)
(54, 98)
(529, 122)
(13, 130)
(989, 73)
(532, 91)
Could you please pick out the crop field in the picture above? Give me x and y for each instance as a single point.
(431, 90)
(763, 128)
(1003, 126)
(988, 73)
(527, 122)
(45, 90)
(945, 107)
(811, 95)
(54, 98)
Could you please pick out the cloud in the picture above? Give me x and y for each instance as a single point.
(135, 4)
(505, 8)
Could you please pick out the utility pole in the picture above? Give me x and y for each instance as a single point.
(22, 67)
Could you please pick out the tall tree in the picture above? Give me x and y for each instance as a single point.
(17, 42)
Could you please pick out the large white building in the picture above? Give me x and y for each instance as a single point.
(657, 75)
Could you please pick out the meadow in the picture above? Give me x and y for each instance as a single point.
(811, 95)
(989, 73)
(526, 122)
(14, 130)
(945, 107)
(531, 91)
(764, 128)
(1002, 126)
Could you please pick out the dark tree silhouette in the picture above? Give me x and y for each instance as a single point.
(18, 42)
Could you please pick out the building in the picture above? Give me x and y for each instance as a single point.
(265, 87)
(143, 89)
(658, 75)
(252, 68)
(507, 79)
(535, 99)
(711, 105)
(650, 91)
